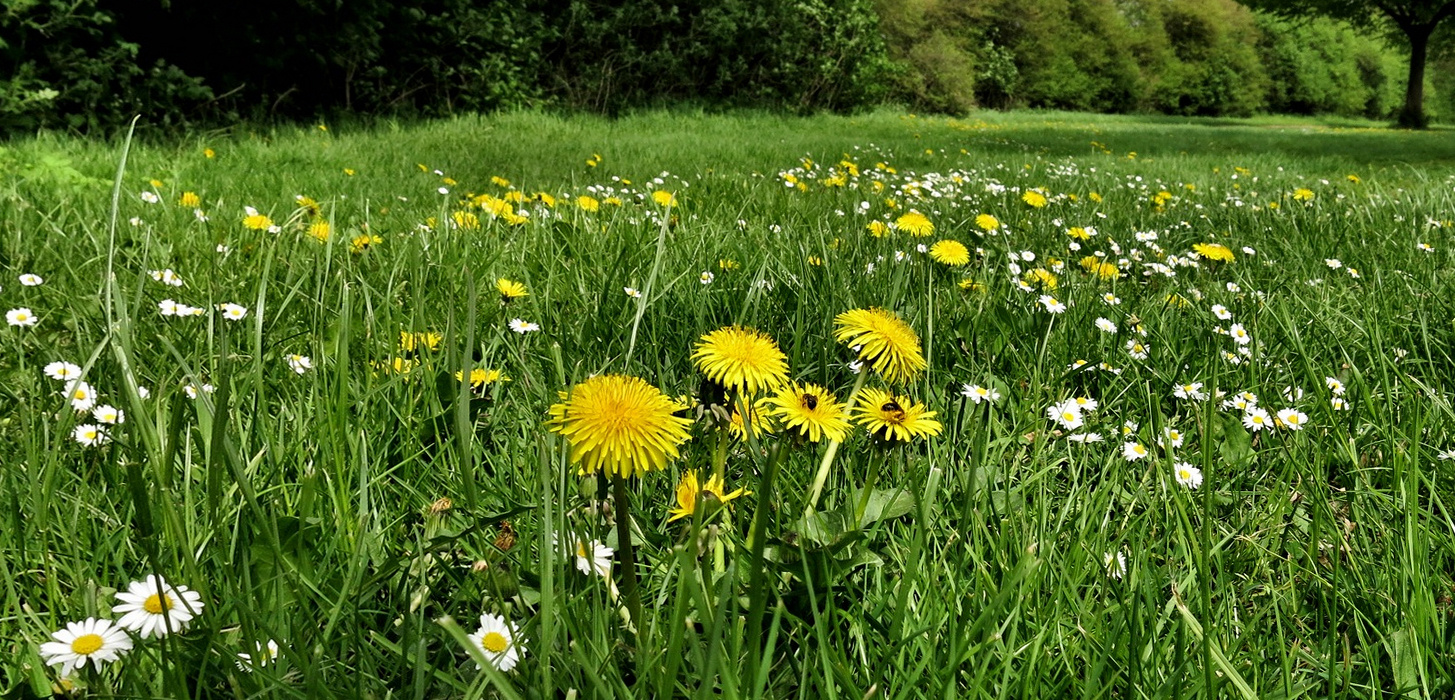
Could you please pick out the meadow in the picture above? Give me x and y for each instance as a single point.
(1038, 405)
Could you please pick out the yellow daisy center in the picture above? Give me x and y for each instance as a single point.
(87, 644)
(157, 604)
(495, 642)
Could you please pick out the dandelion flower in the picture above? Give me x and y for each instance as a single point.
(619, 424)
(950, 252)
(664, 198)
(1213, 251)
(510, 290)
(894, 418)
(94, 640)
(153, 608)
(481, 377)
(810, 411)
(1034, 199)
(690, 489)
(496, 638)
(987, 222)
(742, 359)
(21, 317)
(255, 221)
(885, 341)
(915, 224)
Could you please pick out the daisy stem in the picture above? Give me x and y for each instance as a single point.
(627, 552)
(828, 455)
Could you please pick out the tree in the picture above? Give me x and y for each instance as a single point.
(1416, 19)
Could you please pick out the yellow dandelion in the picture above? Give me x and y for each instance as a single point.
(878, 229)
(711, 495)
(546, 199)
(1213, 251)
(987, 222)
(1079, 233)
(257, 222)
(811, 412)
(209, 153)
(618, 424)
(364, 242)
(950, 252)
(893, 418)
(510, 290)
(742, 359)
(762, 421)
(1034, 198)
(190, 199)
(915, 224)
(408, 342)
(320, 230)
(481, 377)
(1303, 194)
(885, 341)
(664, 198)
(1041, 277)
(465, 220)
(588, 203)
(499, 181)
(971, 285)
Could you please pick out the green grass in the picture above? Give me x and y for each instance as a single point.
(1311, 563)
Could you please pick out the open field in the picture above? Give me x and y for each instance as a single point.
(269, 400)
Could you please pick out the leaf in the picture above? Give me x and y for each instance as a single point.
(885, 504)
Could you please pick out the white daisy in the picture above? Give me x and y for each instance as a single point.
(977, 393)
(90, 435)
(1334, 385)
(153, 608)
(1221, 312)
(1292, 418)
(1239, 334)
(233, 312)
(633, 292)
(1084, 437)
(300, 363)
(1136, 349)
(150, 197)
(523, 327)
(108, 414)
(94, 640)
(593, 557)
(1171, 437)
(1106, 326)
(62, 371)
(1256, 419)
(21, 317)
(1111, 299)
(30, 280)
(706, 277)
(496, 638)
(1133, 451)
(81, 395)
(1067, 414)
(1190, 392)
(266, 654)
(1115, 563)
(1188, 475)
(1051, 304)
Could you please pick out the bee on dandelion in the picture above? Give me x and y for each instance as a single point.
(810, 412)
(894, 419)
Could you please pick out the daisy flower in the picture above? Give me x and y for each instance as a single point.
(741, 359)
(1222, 312)
(91, 640)
(885, 341)
(593, 557)
(1187, 475)
(167, 277)
(1133, 451)
(21, 317)
(265, 655)
(1085, 437)
(300, 364)
(1106, 326)
(496, 638)
(691, 490)
(811, 412)
(90, 435)
(1111, 299)
(1171, 437)
(233, 312)
(523, 327)
(977, 393)
(1239, 334)
(632, 292)
(1334, 385)
(1115, 564)
(1136, 349)
(153, 608)
(81, 395)
(1291, 418)
(1067, 414)
(62, 371)
(893, 418)
(1256, 419)
(706, 277)
(108, 415)
(618, 424)
(168, 307)
(1051, 304)
(29, 280)
(1190, 392)
(1446, 456)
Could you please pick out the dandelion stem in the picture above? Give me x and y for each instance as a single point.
(758, 539)
(626, 551)
(876, 461)
(828, 455)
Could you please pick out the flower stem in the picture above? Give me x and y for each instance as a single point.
(626, 551)
(875, 462)
(828, 455)
(757, 593)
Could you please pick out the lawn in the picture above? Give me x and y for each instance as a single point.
(1039, 405)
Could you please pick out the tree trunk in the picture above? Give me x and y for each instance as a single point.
(1412, 116)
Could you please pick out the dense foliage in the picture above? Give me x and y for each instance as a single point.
(85, 63)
